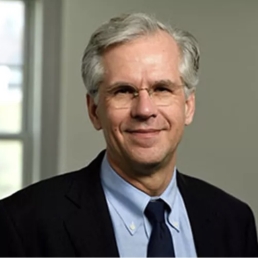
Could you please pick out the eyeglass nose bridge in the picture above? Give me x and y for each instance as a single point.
(137, 92)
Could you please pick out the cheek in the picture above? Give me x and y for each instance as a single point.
(175, 115)
(177, 125)
(112, 122)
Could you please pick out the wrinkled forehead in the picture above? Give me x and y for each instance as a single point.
(155, 56)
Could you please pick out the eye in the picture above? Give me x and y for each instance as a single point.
(162, 88)
(124, 89)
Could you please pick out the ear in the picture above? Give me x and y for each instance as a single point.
(189, 108)
(92, 112)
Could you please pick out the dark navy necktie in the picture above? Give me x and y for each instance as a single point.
(160, 242)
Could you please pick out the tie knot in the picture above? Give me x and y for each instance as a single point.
(155, 211)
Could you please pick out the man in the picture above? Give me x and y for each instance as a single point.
(141, 77)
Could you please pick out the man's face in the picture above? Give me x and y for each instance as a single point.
(143, 134)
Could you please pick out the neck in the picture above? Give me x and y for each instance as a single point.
(152, 180)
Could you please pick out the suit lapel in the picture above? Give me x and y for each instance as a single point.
(89, 226)
(203, 218)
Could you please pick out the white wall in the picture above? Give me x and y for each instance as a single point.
(222, 144)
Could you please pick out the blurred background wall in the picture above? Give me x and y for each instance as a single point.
(221, 146)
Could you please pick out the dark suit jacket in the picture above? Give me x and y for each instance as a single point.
(68, 216)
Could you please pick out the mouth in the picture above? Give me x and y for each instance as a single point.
(145, 133)
(143, 130)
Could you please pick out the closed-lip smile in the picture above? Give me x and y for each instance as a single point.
(143, 131)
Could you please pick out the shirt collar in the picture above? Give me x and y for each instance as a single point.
(169, 196)
(129, 202)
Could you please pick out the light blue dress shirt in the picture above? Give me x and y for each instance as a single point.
(132, 229)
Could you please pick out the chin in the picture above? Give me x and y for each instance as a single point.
(151, 158)
(147, 163)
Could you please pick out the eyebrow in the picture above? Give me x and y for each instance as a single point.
(165, 82)
(158, 82)
(119, 83)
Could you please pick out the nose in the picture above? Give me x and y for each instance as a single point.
(143, 106)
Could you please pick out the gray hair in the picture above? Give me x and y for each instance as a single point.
(126, 28)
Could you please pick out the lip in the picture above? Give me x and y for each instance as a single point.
(143, 131)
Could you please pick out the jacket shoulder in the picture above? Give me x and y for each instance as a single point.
(214, 196)
(51, 194)
(45, 193)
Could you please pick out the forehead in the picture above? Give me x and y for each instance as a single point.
(154, 56)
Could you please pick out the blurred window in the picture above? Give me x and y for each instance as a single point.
(13, 86)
